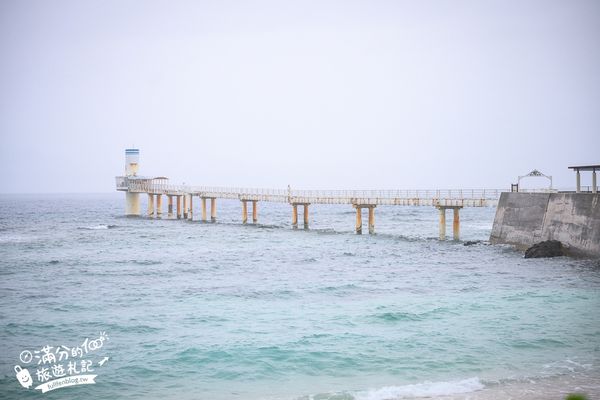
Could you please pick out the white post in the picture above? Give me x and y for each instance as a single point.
(578, 190)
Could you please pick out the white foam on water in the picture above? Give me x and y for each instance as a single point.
(16, 239)
(98, 227)
(567, 364)
(426, 389)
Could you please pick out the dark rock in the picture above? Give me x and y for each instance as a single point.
(549, 248)
(471, 242)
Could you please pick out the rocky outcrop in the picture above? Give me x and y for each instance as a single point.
(548, 248)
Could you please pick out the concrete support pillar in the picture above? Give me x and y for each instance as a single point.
(170, 206)
(213, 209)
(159, 205)
(456, 224)
(578, 185)
(358, 220)
(305, 216)
(132, 204)
(191, 209)
(295, 216)
(244, 211)
(594, 184)
(254, 212)
(178, 200)
(371, 220)
(185, 206)
(204, 209)
(150, 205)
(442, 223)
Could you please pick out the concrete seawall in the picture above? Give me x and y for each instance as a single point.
(523, 219)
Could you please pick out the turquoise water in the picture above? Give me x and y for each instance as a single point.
(225, 311)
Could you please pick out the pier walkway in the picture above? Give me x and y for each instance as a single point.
(183, 196)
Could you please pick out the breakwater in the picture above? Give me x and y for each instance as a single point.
(523, 219)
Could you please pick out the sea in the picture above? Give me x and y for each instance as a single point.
(174, 309)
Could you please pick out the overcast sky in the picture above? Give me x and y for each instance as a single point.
(324, 94)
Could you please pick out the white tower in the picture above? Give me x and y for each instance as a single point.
(132, 160)
(132, 200)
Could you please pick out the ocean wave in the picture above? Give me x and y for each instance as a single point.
(341, 288)
(568, 366)
(97, 227)
(139, 262)
(425, 390)
(328, 231)
(547, 384)
(409, 316)
(267, 226)
(259, 294)
(537, 343)
(17, 239)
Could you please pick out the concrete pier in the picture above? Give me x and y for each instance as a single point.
(185, 206)
(244, 211)
(305, 215)
(294, 216)
(442, 224)
(133, 185)
(150, 205)
(455, 222)
(371, 221)
(203, 209)
(213, 209)
(158, 206)
(132, 204)
(358, 220)
(185, 209)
